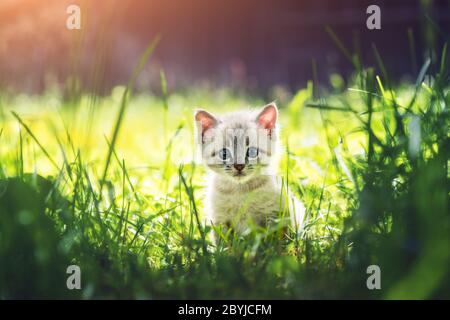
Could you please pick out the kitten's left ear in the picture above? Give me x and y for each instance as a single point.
(267, 118)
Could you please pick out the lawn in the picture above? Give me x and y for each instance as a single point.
(112, 184)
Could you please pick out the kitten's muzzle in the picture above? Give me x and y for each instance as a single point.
(239, 167)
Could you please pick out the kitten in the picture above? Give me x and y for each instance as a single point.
(240, 149)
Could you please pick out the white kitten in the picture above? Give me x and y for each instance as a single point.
(240, 150)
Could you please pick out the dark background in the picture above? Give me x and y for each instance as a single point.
(254, 44)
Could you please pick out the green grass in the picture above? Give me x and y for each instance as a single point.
(113, 186)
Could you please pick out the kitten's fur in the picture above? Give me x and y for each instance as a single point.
(243, 187)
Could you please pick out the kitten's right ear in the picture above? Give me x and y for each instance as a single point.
(205, 121)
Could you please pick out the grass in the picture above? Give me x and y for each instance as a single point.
(370, 163)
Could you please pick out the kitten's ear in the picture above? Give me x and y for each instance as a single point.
(267, 118)
(205, 120)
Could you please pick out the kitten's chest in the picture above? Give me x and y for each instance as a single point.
(242, 204)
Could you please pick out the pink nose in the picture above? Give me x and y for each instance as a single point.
(239, 167)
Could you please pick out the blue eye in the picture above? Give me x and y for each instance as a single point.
(224, 154)
(252, 152)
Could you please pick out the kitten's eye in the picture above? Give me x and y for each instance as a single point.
(252, 152)
(224, 154)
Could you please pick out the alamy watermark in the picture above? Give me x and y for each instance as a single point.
(73, 21)
(74, 280)
(374, 280)
(373, 22)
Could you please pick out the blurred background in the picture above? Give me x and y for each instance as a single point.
(253, 44)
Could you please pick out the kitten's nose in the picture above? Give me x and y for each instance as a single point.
(239, 167)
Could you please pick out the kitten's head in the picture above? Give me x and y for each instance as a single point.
(238, 145)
